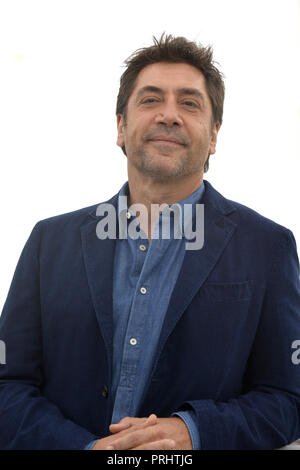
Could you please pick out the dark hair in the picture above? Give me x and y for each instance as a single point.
(174, 50)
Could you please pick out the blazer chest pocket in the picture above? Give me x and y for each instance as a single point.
(228, 291)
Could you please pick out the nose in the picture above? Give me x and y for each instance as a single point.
(168, 114)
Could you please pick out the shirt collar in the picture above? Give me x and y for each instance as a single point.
(192, 199)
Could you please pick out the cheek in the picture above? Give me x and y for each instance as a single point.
(134, 135)
(203, 136)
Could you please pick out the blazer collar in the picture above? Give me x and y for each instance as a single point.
(211, 197)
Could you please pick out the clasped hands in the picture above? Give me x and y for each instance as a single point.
(150, 433)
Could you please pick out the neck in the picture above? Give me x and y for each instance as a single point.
(147, 190)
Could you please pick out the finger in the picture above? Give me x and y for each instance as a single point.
(117, 427)
(135, 436)
(128, 422)
(164, 444)
(152, 419)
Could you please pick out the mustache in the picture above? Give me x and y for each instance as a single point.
(177, 135)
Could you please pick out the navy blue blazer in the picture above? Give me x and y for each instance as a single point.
(225, 350)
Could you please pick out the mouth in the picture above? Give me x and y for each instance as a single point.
(167, 141)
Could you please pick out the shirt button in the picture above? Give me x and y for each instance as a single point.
(133, 341)
(128, 215)
(143, 290)
(104, 391)
(143, 248)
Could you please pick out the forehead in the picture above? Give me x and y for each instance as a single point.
(170, 76)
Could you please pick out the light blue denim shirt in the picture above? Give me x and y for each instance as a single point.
(145, 275)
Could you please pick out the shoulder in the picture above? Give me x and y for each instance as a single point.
(263, 231)
(64, 227)
(242, 214)
(251, 226)
(75, 218)
(256, 220)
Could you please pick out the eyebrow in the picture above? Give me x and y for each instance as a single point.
(180, 91)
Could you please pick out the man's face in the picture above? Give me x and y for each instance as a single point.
(168, 132)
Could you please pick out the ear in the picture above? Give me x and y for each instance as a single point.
(213, 139)
(120, 126)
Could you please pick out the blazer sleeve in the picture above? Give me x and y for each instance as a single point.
(28, 419)
(267, 413)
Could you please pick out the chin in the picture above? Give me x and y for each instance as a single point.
(160, 172)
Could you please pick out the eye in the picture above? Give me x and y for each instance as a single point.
(149, 100)
(190, 104)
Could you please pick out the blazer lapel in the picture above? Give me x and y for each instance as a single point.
(99, 262)
(197, 264)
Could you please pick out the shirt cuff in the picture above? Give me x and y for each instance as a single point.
(190, 421)
(90, 445)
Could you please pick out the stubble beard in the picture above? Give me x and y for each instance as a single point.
(148, 166)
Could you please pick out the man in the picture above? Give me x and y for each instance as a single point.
(178, 348)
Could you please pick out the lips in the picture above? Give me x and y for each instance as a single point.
(161, 139)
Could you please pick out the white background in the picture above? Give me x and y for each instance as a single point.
(60, 63)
